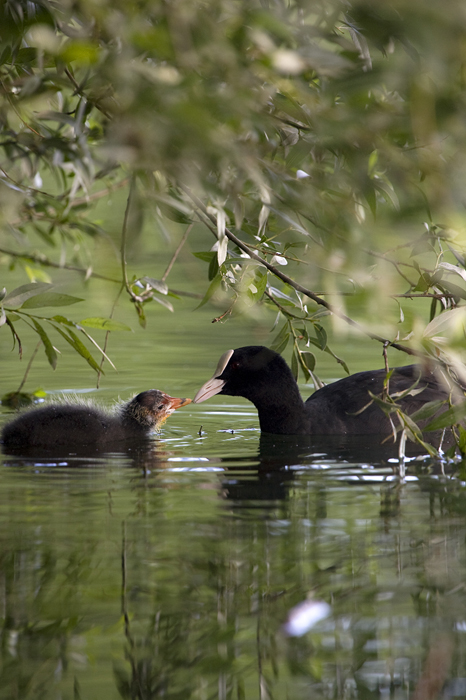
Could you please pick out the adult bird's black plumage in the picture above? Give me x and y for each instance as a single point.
(263, 377)
(79, 425)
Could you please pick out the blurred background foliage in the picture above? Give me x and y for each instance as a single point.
(318, 149)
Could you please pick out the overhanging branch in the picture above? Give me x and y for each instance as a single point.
(298, 287)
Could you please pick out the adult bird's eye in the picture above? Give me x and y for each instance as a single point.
(234, 365)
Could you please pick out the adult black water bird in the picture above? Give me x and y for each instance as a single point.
(341, 408)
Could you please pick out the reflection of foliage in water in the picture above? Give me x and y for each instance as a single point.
(175, 584)
(207, 617)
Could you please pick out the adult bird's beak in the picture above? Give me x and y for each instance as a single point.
(214, 385)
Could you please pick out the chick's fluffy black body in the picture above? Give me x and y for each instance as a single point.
(69, 424)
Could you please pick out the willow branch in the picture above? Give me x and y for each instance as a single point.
(298, 287)
(13, 107)
(79, 91)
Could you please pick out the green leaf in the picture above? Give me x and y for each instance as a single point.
(462, 440)
(206, 257)
(386, 405)
(423, 284)
(258, 286)
(80, 348)
(80, 50)
(450, 321)
(387, 191)
(281, 340)
(281, 295)
(408, 421)
(19, 295)
(413, 390)
(448, 418)
(428, 410)
(297, 154)
(63, 320)
(260, 282)
(372, 162)
(455, 289)
(213, 286)
(459, 256)
(17, 399)
(141, 315)
(430, 449)
(338, 359)
(172, 213)
(9, 322)
(49, 299)
(371, 199)
(309, 360)
(158, 285)
(105, 324)
(213, 268)
(423, 245)
(164, 302)
(50, 351)
(321, 336)
(26, 55)
(294, 363)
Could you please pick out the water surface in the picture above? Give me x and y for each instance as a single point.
(168, 571)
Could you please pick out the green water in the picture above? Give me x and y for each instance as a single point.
(169, 571)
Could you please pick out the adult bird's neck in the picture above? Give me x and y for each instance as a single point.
(281, 409)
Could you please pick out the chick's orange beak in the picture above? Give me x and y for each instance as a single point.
(173, 404)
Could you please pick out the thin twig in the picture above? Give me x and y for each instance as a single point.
(107, 335)
(368, 251)
(123, 239)
(42, 260)
(386, 388)
(225, 313)
(23, 187)
(176, 253)
(396, 265)
(36, 350)
(423, 296)
(101, 193)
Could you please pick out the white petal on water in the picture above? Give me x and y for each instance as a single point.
(304, 616)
